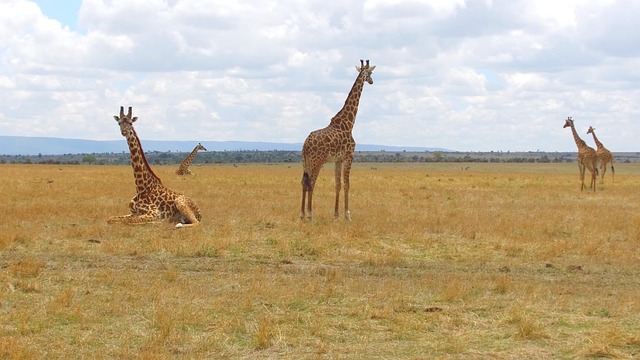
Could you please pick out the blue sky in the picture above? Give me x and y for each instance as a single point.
(468, 75)
(65, 11)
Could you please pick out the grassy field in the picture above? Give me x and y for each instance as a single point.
(501, 261)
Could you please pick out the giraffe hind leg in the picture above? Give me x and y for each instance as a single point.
(593, 170)
(304, 197)
(306, 192)
(604, 169)
(189, 213)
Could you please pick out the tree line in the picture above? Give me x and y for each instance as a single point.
(278, 156)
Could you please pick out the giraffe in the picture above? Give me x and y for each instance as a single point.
(153, 201)
(604, 155)
(184, 165)
(334, 143)
(587, 158)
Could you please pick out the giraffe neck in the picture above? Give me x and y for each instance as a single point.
(187, 161)
(595, 139)
(579, 142)
(346, 117)
(142, 172)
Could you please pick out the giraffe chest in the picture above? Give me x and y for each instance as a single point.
(586, 154)
(158, 199)
(339, 152)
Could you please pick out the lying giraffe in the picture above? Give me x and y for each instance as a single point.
(153, 201)
(184, 165)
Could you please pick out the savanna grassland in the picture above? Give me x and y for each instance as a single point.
(502, 261)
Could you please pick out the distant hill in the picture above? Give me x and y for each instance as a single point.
(24, 145)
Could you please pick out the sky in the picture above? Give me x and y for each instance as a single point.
(476, 75)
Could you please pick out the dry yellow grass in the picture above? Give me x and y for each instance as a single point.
(505, 261)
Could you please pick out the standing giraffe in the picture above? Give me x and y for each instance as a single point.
(153, 201)
(334, 143)
(604, 155)
(184, 165)
(587, 158)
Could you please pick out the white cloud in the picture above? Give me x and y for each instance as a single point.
(466, 75)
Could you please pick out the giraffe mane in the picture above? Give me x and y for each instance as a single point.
(144, 156)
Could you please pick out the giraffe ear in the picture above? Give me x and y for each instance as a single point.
(117, 118)
(133, 119)
(371, 68)
(358, 68)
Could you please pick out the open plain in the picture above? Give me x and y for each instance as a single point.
(441, 260)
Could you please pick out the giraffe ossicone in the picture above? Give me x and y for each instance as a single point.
(333, 143)
(153, 202)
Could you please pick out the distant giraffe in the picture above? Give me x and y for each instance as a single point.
(184, 165)
(604, 155)
(334, 143)
(587, 158)
(153, 201)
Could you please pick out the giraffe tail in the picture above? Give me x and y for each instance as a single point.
(305, 181)
(613, 171)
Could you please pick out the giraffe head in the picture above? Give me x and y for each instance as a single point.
(568, 122)
(200, 147)
(591, 130)
(125, 121)
(365, 71)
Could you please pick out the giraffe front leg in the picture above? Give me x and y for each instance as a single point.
(347, 172)
(338, 175)
(309, 204)
(132, 219)
(304, 197)
(118, 219)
